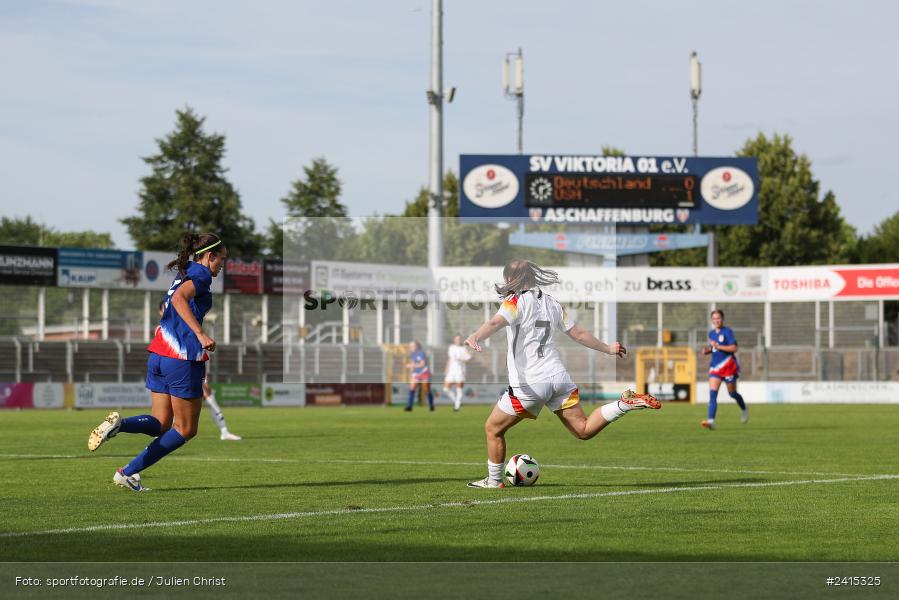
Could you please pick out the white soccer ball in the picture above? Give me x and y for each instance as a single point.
(522, 470)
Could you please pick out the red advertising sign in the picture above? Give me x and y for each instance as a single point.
(335, 394)
(869, 282)
(243, 276)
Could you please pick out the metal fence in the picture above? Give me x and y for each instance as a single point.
(82, 361)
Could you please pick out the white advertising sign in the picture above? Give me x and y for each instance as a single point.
(364, 279)
(155, 277)
(48, 395)
(834, 392)
(284, 394)
(691, 285)
(102, 395)
(686, 284)
(476, 284)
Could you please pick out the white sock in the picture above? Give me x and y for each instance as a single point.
(457, 404)
(612, 411)
(216, 412)
(495, 471)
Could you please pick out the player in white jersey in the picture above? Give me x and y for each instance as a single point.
(537, 377)
(454, 373)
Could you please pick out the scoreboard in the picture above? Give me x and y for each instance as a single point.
(609, 189)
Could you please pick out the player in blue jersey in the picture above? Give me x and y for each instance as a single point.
(176, 363)
(421, 375)
(723, 367)
(209, 394)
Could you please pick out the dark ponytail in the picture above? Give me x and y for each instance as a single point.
(190, 243)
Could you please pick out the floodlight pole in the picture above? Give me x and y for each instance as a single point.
(435, 197)
(517, 92)
(695, 93)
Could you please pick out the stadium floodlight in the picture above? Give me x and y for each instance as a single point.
(695, 76)
(695, 93)
(517, 92)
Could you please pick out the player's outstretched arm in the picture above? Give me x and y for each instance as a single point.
(495, 323)
(587, 339)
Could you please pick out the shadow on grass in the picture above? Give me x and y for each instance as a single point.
(301, 540)
(67, 457)
(310, 484)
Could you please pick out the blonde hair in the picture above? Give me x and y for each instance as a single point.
(522, 275)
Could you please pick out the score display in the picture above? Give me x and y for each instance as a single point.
(578, 188)
(631, 190)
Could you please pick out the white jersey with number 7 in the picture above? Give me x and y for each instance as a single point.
(533, 317)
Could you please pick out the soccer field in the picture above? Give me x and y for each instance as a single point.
(798, 483)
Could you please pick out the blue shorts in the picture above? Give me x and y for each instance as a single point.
(726, 378)
(176, 377)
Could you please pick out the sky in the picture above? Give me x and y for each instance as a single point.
(89, 85)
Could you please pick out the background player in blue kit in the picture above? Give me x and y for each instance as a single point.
(176, 363)
(723, 366)
(421, 375)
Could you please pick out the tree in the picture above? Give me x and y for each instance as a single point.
(26, 232)
(21, 232)
(882, 246)
(318, 195)
(188, 191)
(418, 207)
(404, 239)
(796, 226)
(315, 214)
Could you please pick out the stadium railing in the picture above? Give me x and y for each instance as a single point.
(91, 360)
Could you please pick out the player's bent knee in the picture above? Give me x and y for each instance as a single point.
(582, 434)
(187, 432)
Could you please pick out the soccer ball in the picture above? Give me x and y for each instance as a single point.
(522, 470)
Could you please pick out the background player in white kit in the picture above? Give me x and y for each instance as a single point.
(537, 376)
(454, 374)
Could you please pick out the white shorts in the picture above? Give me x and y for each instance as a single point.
(527, 401)
(455, 374)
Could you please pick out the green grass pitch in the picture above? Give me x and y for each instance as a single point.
(798, 483)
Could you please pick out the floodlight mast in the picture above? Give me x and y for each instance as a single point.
(516, 93)
(695, 93)
(435, 97)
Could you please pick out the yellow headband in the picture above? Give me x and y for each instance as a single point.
(210, 247)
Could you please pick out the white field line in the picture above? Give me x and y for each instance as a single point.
(464, 464)
(457, 504)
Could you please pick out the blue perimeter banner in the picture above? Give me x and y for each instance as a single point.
(554, 188)
(100, 268)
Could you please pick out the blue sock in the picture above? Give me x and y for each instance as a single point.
(713, 403)
(736, 396)
(145, 424)
(430, 399)
(168, 442)
(411, 398)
